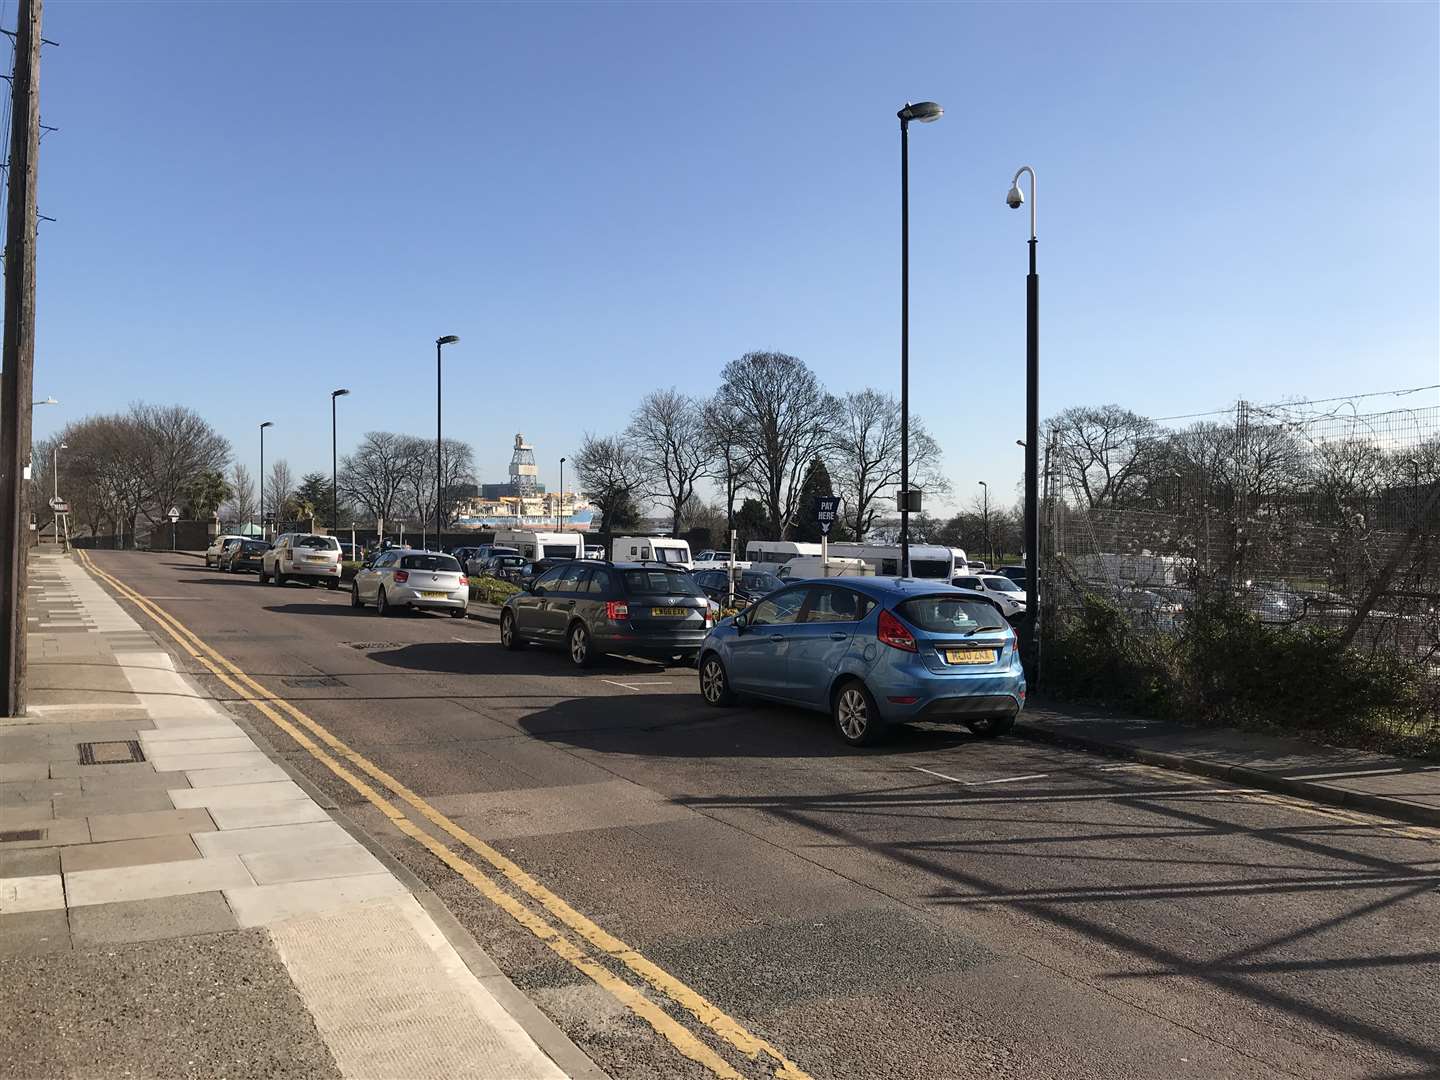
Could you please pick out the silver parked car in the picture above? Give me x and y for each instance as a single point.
(402, 578)
(305, 557)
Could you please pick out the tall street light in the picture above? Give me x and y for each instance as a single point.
(440, 342)
(334, 471)
(55, 467)
(985, 520)
(559, 505)
(1015, 198)
(267, 423)
(924, 112)
(47, 401)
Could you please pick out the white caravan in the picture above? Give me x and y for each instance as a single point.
(534, 545)
(928, 561)
(778, 552)
(813, 566)
(664, 549)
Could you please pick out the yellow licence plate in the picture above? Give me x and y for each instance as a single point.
(316, 558)
(434, 595)
(669, 612)
(969, 656)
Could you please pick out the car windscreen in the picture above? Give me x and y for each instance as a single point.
(437, 563)
(318, 543)
(1002, 584)
(660, 583)
(752, 582)
(966, 582)
(509, 560)
(948, 614)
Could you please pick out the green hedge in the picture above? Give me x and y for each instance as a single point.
(489, 590)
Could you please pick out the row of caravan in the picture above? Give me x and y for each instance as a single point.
(929, 561)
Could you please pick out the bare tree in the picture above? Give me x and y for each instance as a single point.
(668, 434)
(731, 463)
(866, 458)
(240, 507)
(280, 492)
(1103, 450)
(458, 477)
(375, 474)
(178, 446)
(612, 474)
(784, 420)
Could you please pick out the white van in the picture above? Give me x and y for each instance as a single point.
(812, 566)
(534, 545)
(929, 561)
(664, 549)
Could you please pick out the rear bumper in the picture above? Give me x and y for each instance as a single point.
(666, 644)
(949, 698)
(971, 708)
(404, 597)
(245, 564)
(299, 570)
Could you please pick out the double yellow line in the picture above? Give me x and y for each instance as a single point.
(345, 763)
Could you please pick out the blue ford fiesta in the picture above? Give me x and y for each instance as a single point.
(872, 652)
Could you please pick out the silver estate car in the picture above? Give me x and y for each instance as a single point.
(402, 577)
(305, 557)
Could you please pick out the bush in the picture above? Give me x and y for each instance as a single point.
(1225, 666)
(490, 590)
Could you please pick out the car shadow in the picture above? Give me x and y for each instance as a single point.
(490, 658)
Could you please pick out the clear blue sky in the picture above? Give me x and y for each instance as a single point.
(259, 202)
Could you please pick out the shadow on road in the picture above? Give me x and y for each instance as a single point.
(489, 658)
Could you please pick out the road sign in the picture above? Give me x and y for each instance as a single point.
(827, 509)
(60, 506)
(908, 500)
(173, 514)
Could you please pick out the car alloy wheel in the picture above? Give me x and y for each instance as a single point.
(355, 600)
(579, 646)
(508, 637)
(856, 718)
(382, 608)
(714, 683)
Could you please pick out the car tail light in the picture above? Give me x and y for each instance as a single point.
(402, 576)
(891, 631)
(464, 580)
(617, 610)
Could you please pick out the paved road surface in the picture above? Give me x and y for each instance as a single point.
(941, 907)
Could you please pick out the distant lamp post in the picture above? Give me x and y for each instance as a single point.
(55, 467)
(334, 471)
(922, 112)
(267, 423)
(560, 503)
(985, 519)
(440, 342)
(1015, 198)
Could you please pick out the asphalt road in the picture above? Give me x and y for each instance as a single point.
(939, 907)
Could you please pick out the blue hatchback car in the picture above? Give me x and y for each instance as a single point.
(872, 652)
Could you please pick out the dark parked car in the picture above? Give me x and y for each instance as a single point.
(504, 567)
(475, 564)
(589, 608)
(243, 555)
(1014, 573)
(750, 585)
(532, 570)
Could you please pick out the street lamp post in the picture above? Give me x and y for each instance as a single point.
(924, 112)
(1015, 198)
(560, 504)
(985, 522)
(334, 470)
(55, 467)
(267, 423)
(440, 342)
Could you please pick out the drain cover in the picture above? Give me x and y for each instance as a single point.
(10, 836)
(366, 645)
(319, 680)
(110, 753)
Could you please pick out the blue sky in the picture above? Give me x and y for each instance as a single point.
(259, 202)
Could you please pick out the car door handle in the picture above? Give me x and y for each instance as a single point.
(777, 637)
(838, 637)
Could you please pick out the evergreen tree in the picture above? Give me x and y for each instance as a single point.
(816, 484)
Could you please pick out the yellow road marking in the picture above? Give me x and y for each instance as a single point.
(678, 1036)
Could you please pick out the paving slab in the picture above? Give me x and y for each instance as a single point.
(151, 920)
(33, 933)
(54, 832)
(166, 762)
(155, 879)
(218, 745)
(154, 823)
(27, 792)
(247, 774)
(296, 838)
(71, 767)
(194, 731)
(136, 801)
(294, 812)
(275, 867)
(12, 771)
(37, 893)
(263, 905)
(150, 849)
(239, 795)
(144, 777)
(29, 862)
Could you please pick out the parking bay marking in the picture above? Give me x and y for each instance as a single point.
(681, 1038)
(637, 685)
(976, 783)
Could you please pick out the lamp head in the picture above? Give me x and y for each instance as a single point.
(63, 446)
(923, 112)
(1015, 198)
(338, 393)
(448, 339)
(267, 423)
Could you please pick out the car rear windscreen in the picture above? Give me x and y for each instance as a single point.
(950, 614)
(256, 547)
(319, 543)
(436, 563)
(660, 583)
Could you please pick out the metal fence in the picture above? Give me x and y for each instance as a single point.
(1307, 517)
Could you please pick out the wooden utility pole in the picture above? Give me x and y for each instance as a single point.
(17, 380)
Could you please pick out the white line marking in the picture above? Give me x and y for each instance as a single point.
(637, 685)
(976, 783)
(941, 775)
(469, 640)
(1345, 773)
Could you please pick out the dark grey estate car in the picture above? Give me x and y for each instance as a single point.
(590, 607)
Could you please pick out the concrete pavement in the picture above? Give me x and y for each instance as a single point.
(173, 902)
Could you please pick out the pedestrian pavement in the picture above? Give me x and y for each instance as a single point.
(1407, 789)
(173, 902)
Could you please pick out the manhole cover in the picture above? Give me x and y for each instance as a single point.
(367, 645)
(306, 681)
(110, 753)
(10, 836)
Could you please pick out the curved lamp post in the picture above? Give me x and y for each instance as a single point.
(440, 342)
(921, 112)
(334, 471)
(1015, 198)
(267, 423)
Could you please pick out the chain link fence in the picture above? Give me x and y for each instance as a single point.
(1319, 527)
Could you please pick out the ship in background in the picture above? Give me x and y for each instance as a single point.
(524, 502)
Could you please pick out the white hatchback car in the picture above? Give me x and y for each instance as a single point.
(302, 557)
(1002, 590)
(402, 577)
(212, 553)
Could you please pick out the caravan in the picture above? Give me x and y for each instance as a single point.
(928, 561)
(665, 549)
(534, 545)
